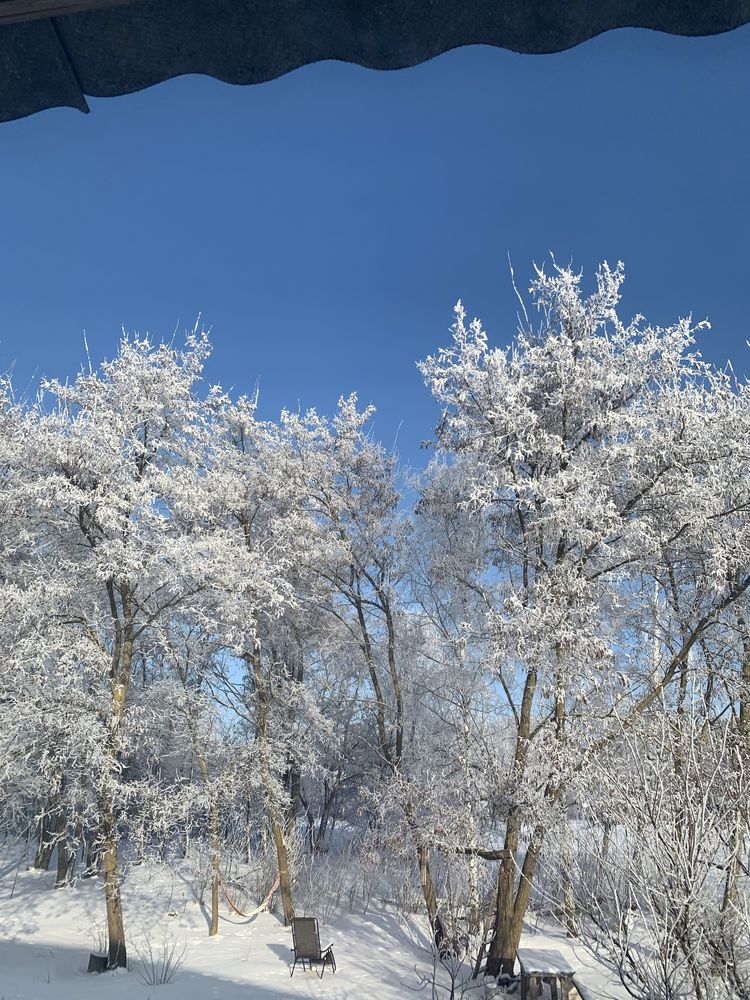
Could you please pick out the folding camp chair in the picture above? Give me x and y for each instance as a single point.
(306, 939)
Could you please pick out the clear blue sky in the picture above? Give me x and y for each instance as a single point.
(325, 223)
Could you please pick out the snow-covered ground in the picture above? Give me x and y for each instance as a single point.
(597, 980)
(46, 936)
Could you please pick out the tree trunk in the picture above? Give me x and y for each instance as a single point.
(115, 928)
(90, 860)
(510, 907)
(474, 905)
(213, 821)
(570, 914)
(428, 889)
(76, 846)
(329, 799)
(215, 862)
(512, 903)
(425, 873)
(294, 782)
(63, 857)
(122, 662)
(45, 844)
(502, 953)
(282, 857)
(274, 811)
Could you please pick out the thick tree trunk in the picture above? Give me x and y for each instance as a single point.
(428, 889)
(511, 906)
(275, 815)
(282, 858)
(512, 903)
(115, 928)
(502, 953)
(122, 661)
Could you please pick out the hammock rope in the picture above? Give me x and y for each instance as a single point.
(258, 909)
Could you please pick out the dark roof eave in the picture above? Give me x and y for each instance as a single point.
(103, 48)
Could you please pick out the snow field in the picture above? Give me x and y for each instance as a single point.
(46, 936)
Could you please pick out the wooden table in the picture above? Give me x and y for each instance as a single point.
(545, 965)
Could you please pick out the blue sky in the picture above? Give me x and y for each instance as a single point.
(325, 223)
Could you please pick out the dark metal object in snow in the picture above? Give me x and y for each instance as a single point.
(55, 52)
(98, 963)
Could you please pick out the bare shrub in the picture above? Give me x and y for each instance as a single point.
(158, 964)
(324, 881)
(98, 935)
(450, 977)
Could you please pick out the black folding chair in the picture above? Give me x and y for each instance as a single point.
(307, 948)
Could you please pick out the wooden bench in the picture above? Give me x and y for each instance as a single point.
(545, 965)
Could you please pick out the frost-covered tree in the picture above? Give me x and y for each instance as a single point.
(587, 449)
(255, 534)
(107, 462)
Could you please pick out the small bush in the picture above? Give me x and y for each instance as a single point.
(159, 964)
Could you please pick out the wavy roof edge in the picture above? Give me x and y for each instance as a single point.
(104, 48)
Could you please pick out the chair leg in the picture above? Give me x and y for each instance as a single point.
(328, 959)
